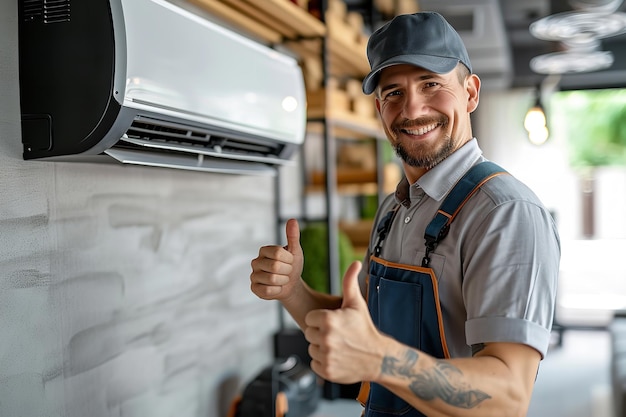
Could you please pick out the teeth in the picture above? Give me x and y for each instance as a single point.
(422, 130)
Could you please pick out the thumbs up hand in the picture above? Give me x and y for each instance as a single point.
(352, 297)
(276, 271)
(344, 343)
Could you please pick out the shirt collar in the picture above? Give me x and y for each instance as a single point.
(438, 182)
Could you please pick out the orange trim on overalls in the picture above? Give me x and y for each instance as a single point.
(453, 215)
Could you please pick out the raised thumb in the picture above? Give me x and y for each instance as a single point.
(352, 297)
(292, 231)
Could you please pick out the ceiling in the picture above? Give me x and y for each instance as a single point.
(500, 45)
(518, 15)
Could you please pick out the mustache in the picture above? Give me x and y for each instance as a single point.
(416, 123)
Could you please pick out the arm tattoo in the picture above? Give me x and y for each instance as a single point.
(436, 383)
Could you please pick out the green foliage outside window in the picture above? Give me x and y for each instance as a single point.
(595, 126)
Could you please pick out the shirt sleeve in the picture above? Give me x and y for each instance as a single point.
(510, 276)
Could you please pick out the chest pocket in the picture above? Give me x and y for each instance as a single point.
(404, 304)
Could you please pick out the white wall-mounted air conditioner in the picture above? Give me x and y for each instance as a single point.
(149, 82)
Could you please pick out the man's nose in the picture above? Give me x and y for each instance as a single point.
(414, 106)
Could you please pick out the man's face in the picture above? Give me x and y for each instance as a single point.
(425, 115)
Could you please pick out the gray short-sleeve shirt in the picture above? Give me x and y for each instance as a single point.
(497, 269)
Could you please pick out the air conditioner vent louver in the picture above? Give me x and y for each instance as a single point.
(46, 11)
(168, 136)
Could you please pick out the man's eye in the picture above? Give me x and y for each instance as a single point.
(392, 93)
(431, 84)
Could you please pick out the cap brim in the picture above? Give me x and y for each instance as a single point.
(439, 65)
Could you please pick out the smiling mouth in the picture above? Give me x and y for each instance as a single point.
(421, 130)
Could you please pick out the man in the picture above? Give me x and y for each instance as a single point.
(458, 314)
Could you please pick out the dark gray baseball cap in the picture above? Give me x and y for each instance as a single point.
(423, 39)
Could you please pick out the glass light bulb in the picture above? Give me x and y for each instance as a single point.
(538, 136)
(535, 119)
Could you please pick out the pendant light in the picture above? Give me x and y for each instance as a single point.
(535, 122)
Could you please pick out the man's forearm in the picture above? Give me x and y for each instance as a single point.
(479, 386)
(441, 382)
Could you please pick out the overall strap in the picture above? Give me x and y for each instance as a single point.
(473, 179)
(383, 228)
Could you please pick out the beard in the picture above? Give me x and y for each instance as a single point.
(422, 155)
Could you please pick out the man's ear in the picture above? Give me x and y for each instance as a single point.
(472, 84)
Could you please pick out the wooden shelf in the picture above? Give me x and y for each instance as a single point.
(346, 189)
(358, 232)
(283, 22)
(350, 181)
(347, 126)
(350, 114)
(355, 181)
(345, 176)
(346, 58)
(271, 21)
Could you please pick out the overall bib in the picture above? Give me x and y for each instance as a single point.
(403, 299)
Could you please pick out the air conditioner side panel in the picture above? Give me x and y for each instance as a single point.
(67, 67)
(188, 67)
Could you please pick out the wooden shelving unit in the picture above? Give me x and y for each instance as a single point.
(331, 50)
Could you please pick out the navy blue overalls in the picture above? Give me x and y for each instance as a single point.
(403, 299)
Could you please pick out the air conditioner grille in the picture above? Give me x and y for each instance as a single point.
(46, 11)
(200, 139)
